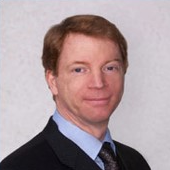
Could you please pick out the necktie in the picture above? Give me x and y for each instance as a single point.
(108, 157)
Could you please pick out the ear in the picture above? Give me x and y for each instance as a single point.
(52, 82)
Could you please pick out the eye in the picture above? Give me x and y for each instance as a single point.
(79, 70)
(111, 68)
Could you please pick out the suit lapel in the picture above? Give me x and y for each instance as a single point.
(67, 151)
(121, 158)
(121, 162)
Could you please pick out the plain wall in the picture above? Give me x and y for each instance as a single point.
(142, 119)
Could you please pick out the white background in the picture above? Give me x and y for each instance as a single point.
(142, 120)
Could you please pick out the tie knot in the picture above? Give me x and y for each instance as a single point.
(106, 146)
(106, 153)
(108, 157)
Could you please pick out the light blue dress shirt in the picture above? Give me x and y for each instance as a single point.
(88, 143)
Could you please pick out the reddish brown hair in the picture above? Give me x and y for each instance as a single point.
(90, 25)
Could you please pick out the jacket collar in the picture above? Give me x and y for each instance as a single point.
(67, 151)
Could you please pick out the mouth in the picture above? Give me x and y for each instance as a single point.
(97, 101)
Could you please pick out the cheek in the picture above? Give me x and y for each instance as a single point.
(117, 86)
(77, 83)
(120, 88)
(70, 87)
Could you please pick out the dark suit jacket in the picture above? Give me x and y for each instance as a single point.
(50, 150)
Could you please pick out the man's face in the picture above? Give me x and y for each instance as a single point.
(90, 79)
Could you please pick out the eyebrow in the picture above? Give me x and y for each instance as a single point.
(79, 63)
(119, 60)
(87, 63)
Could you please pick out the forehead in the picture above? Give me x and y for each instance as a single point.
(80, 46)
(77, 38)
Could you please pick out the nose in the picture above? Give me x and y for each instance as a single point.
(97, 80)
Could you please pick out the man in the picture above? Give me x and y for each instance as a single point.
(85, 61)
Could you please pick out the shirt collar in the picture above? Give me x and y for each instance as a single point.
(88, 143)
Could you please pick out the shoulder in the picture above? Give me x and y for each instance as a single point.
(124, 149)
(36, 151)
(131, 157)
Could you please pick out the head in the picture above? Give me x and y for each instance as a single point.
(85, 59)
(90, 25)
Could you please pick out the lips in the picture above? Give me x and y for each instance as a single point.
(97, 101)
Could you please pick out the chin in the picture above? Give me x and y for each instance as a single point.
(101, 116)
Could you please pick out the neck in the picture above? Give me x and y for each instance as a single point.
(97, 129)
